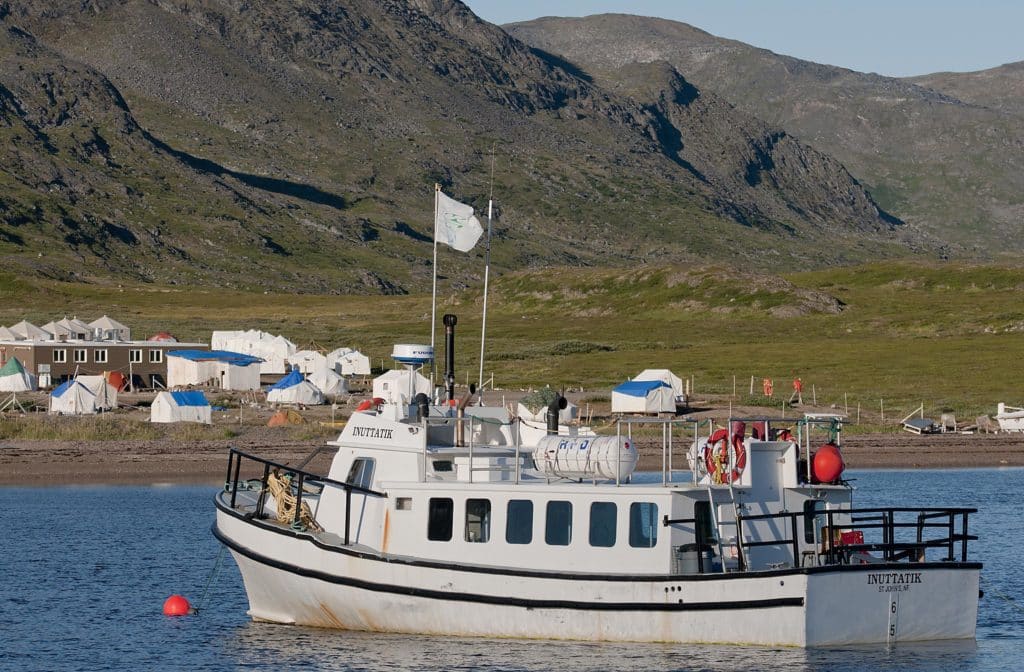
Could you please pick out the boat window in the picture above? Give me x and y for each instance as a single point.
(478, 520)
(361, 472)
(442, 465)
(439, 519)
(705, 524)
(558, 526)
(602, 524)
(403, 503)
(519, 522)
(643, 524)
(812, 523)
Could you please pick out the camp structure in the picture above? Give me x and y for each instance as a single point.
(295, 389)
(29, 332)
(329, 382)
(399, 386)
(189, 406)
(307, 361)
(14, 377)
(643, 396)
(666, 376)
(272, 350)
(72, 398)
(216, 368)
(105, 393)
(8, 335)
(109, 329)
(349, 362)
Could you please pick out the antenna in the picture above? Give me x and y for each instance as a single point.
(487, 275)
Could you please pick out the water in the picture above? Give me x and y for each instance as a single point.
(85, 571)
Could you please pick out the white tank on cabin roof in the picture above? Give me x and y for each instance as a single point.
(587, 457)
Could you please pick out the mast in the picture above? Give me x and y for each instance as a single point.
(487, 275)
(433, 301)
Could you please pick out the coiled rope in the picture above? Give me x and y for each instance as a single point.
(280, 487)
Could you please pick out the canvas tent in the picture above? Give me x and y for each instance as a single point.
(349, 362)
(295, 389)
(307, 360)
(29, 331)
(643, 396)
(666, 376)
(329, 382)
(105, 393)
(190, 406)
(272, 350)
(220, 368)
(14, 377)
(400, 386)
(72, 398)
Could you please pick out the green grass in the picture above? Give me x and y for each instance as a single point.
(945, 335)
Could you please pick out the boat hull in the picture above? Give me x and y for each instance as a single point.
(294, 578)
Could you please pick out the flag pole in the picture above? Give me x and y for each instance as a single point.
(433, 302)
(487, 274)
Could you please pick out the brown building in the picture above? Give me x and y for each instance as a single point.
(144, 362)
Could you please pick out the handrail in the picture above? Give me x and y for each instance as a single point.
(235, 458)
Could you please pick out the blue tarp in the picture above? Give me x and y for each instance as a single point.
(236, 358)
(194, 398)
(293, 378)
(62, 388)
(639, 388)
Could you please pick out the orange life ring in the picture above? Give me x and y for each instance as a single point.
(716, 457)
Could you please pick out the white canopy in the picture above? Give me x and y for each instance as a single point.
(399, 386)
(274, 350)
(329, 382)
(14, 377)
(666, 376)
(349, 362)
(304, 392)
(643, 396)
(106, 394)
(307, 360)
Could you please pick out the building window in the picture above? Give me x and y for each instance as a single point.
(519, 521)
(478, 520)
(100, 356)
(558, 526)
(60, 356)
(602, 524)
(361, 472)
(156, 356)
(439, 519)
(135, 356)
(81, 355)
(643, 524)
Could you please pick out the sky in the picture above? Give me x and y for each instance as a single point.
(899, 38)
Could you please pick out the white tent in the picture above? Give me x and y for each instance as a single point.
(8, 335)
(106, 394)
(295, 389)
(273, 350)
(219, 368)
(643, 396)
(307, 360)
(72, 398)
(109, 329)
(189, 406)
(666, 376)
(29, 331)
(349, 362)
(399, 386)
(14, 377)
(329, 382)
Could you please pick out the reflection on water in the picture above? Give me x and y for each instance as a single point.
(86, 571)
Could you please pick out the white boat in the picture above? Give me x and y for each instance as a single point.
(1010, 418)
(439, 519)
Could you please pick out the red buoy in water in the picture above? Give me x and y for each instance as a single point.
(828, 463)
(176, 605)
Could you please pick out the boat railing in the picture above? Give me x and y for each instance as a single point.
(300, 479)
(687, 428)
(475, 425)
(853, 535)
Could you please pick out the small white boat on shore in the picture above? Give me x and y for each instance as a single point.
(441, 519)
(1010, 418)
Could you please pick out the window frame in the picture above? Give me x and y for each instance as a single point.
(558, 518)
(156, 356)
(636, 529)
(135, 356)
(97, 358)
(60, 356)
(606, 532)
(522, 525)
(80, 355)
(435, 518)
(485, 514)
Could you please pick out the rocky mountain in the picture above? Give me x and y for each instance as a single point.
(296, 145)
(943, 152)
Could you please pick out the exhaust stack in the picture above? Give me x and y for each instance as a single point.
(449, 354)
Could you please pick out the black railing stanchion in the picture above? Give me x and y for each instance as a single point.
(952, 533)
(237, 459)
(796, 545)
(740, 550)
(348, 512)
(296, 519)
(963, 540)
(262, 502)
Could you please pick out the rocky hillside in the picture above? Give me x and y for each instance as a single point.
(295, 146)
(943, 153)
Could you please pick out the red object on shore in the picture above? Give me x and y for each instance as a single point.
(828, 463)
(176, 605)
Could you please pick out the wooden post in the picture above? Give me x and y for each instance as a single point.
(734, 385)
(858, 412)
(881, 405)
(846, 403)
(814, 395)
(751, 386)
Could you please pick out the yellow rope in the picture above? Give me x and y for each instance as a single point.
(281, 488)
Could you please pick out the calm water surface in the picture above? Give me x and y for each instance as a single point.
(86, 570)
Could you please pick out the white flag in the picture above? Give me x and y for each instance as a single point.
(455, 225)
